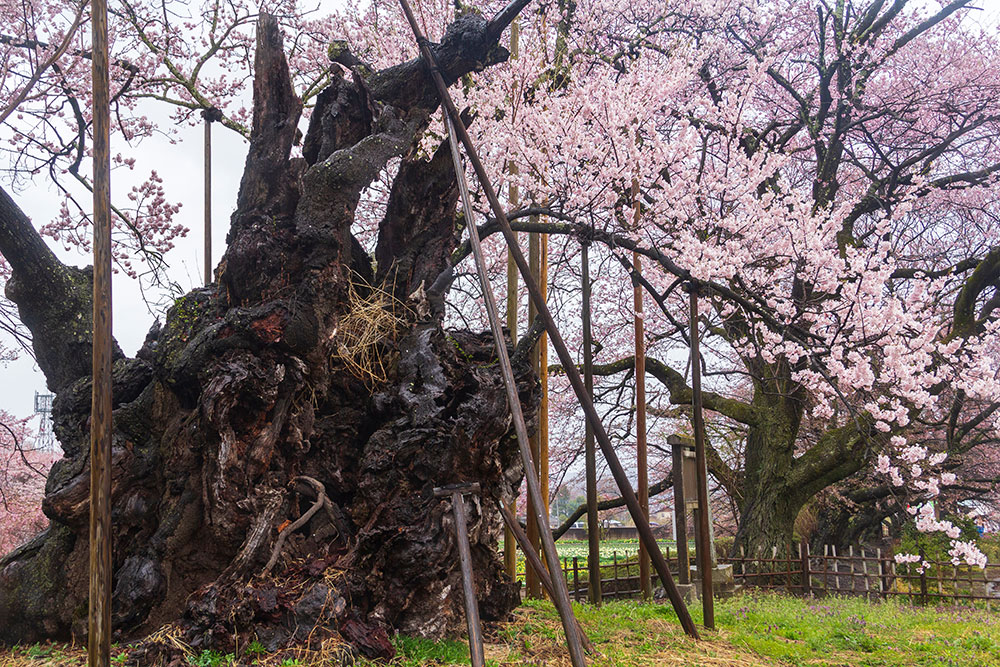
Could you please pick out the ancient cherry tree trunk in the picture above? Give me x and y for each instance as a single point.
(278, 438)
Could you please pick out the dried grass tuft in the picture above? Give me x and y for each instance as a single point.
(365, 336)
(170, 634)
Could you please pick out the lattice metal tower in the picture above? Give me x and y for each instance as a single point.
(46, 439)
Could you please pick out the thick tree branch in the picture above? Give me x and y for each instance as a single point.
(417, 234)
(985, 274)
(680, 393)
(53, 300)
(654, 490)
(839, 453)
(469, 45)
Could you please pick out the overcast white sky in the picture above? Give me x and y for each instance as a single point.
(181, 167)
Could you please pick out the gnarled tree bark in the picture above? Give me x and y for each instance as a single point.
(243, 393)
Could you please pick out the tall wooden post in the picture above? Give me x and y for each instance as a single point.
(642, 466)
(99, 639)
(593, 525)
(543, 377)
(534, 588)
(704, 541)
(509, 545)
(456, 126)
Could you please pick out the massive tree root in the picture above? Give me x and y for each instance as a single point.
(270, 483)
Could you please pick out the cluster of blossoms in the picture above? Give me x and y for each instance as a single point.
(22, 483)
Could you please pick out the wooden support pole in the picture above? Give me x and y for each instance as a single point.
(532, 584)
(452, 121)
(99, 637)
(641, 460)
(457, 494)
(543, 378)
(704, 540)
(533, 561)
(572, 373)
(513, 195)
(590, 454)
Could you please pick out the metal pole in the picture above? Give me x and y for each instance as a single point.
(561, 598)
(99, 639)
(593, 524)
(572, 373)
(704, 542)
(208, 197)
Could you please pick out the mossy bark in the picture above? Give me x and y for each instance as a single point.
(240, 401)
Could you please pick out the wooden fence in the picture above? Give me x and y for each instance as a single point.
(861, 571)
(619, 577)
(865, 571)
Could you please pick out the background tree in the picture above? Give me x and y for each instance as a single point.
(827, 172)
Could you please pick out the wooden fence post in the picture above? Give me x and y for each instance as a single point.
(850, 568)
(614, 560)
(883, 574)
(576, 579)
(806, 577)
(826, 570)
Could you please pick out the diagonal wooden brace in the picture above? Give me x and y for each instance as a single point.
(457, 493)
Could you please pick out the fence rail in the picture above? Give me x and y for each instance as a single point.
(865, 571)
(862, 571)
(619, 576)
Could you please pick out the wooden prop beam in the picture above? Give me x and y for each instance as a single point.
(572, 373)
(509, 544)
(457, 494)
(210, 115)
(590, 450)
(532, 585)
(641, 455)
(535, 563)
(561, 599)
(99, 621)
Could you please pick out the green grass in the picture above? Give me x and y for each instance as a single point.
(891, 633)
(753, 630)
